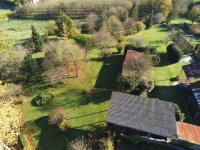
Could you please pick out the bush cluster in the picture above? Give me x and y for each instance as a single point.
(146, 50)
(174, 53)
(43, 98)
(57, 116)
(179, 115)
(120, 47)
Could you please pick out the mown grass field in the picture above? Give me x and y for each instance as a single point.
(99, 75)
(84, 111)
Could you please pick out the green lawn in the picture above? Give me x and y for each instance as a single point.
(99, 75)
(19, 30)
(84, 111)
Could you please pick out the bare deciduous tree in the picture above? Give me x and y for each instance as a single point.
(91, 22)
(62, 60)
(158, 18)
(137, 66)
(103, 40)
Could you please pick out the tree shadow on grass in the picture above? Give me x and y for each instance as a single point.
(97, 96)
(49, 137)
(109, 71)
(4, 5)
(163, 60)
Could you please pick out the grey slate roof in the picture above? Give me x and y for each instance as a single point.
(144, 114)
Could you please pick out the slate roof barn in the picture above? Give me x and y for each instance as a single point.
(144, 114)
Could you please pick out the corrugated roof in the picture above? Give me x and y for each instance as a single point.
(144, 114)
(189, 132)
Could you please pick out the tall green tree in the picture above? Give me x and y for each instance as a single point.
(64, 24)
(133, 12)
(37, 40)
(193, 14)
(29, 67)
(150, 21)
(175, 10)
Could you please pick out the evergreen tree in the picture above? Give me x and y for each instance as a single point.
(150, 21)
(175, 10)
(64, 25)
(29, 67)
(193, 14)
(37, 40)
(133, 12)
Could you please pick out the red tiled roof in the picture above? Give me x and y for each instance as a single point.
(189, 132)
(131, 54)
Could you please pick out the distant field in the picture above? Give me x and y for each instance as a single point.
(4, 8)
(20, 29)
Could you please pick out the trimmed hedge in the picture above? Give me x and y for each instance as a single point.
(174, 53)
(43, 98)
(146, 50)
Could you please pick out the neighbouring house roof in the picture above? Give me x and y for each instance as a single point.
(192, 70)
(195, 87)
(130, 55)
(189, 132)
(144, 114)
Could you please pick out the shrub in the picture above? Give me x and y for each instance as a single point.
(106, 53)
(158, 17)
(120, 39)
(79, 144)
(128, 47)
(133, 139)
(181, 31)
(43, 98)
(63, 126)
(150, 50)
(83, 39)
(144, 85)
(57, 117)
(140, 26)
(85, 28)
(174, 53)
(156, 60)
(137, 41)
(51, 27)
(179, 115)
(73, 33)
(120, 47)
(107, 144)
(197, 48)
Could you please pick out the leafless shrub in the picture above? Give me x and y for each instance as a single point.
(129, 26)
(103, 40)
(91, 22)
(137, 41)
(57, 116)
(79, 144)
(51, 27)
(158, 18)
